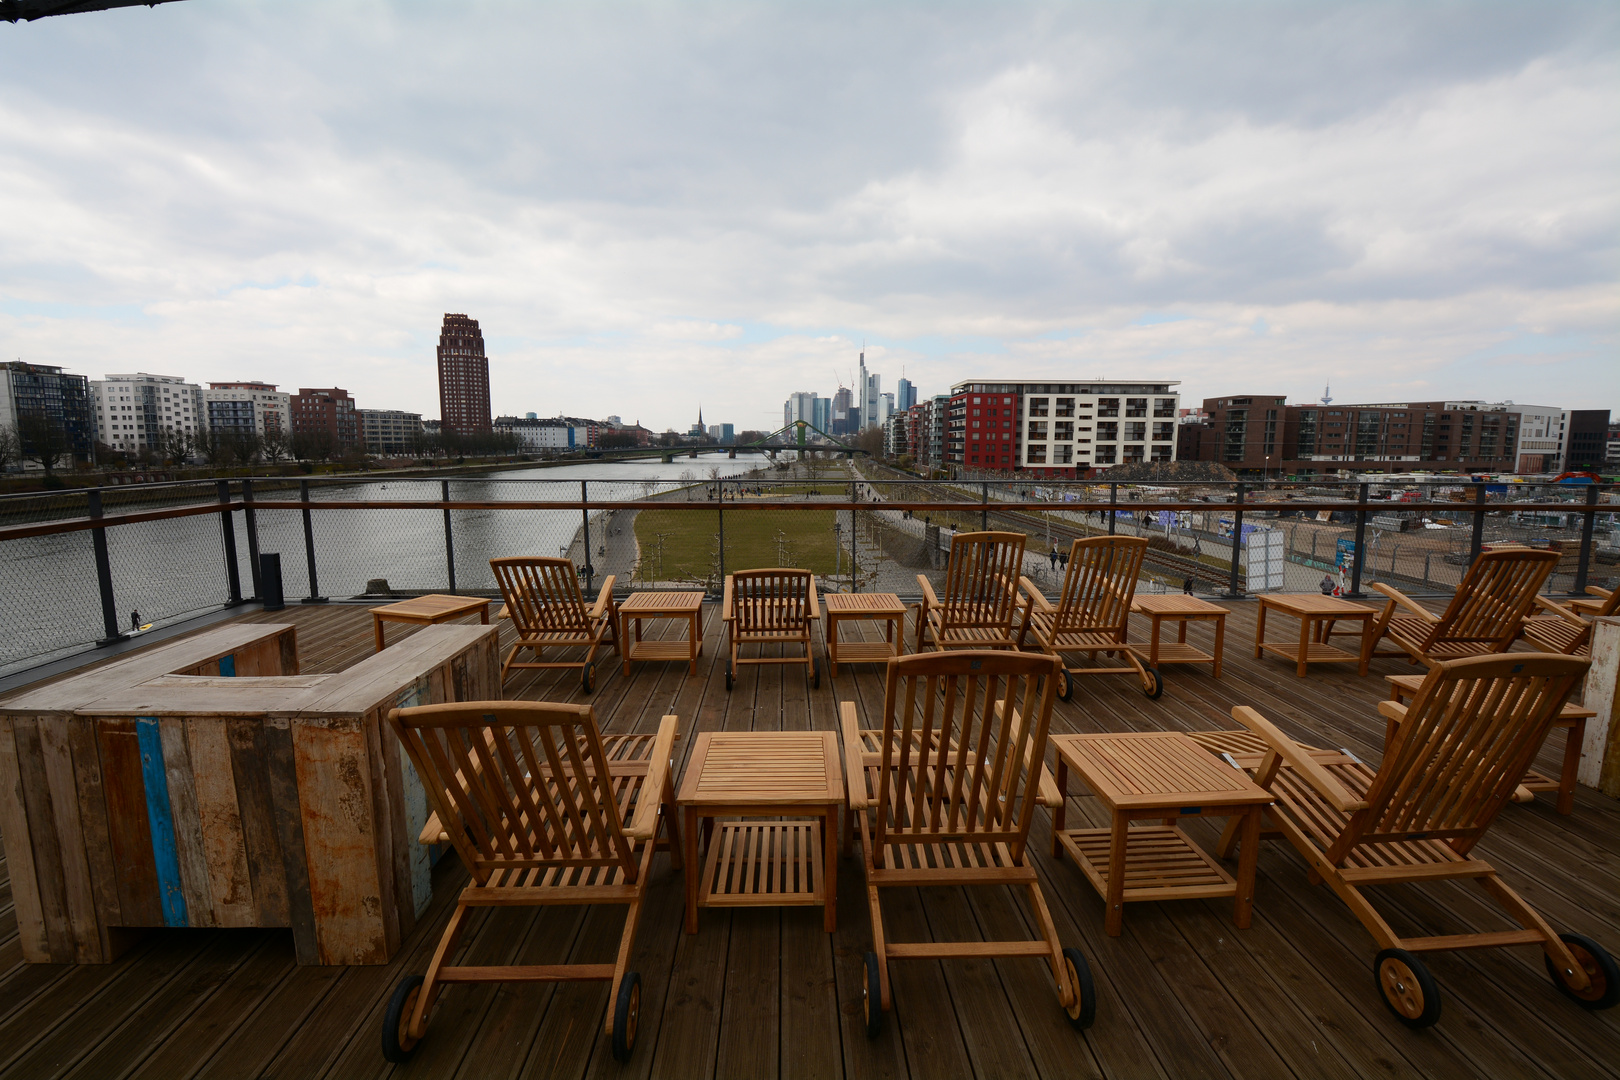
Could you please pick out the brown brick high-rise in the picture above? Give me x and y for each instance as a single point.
(463, 377)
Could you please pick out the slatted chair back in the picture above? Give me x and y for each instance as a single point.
(1100, 584)
(775, 601)
(521, 788)
(981, 580)
(1462, 749)
(958, 728)
(542, 595)
(1491, 603)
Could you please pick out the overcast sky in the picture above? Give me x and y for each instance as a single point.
(649, 206)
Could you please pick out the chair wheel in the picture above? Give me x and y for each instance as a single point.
(872, 997)
(587, 677)
(397, 1046)
(1065, 685)
(1155, 685)
(815, 673)
(626, 1016)
(730, 679)
(1084, 1010)
(1604, 990)
(1407, 988)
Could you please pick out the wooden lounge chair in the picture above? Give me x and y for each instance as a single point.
(491, 770)
(945, 797)
(1484, 615)
(548, 612)
(1601, 597)
(1093, 611)
(770, 607)
(981, 594)
(1450, 766)
(1562, 629)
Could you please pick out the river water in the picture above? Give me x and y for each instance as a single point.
(168, 570)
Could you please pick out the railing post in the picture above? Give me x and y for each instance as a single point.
(721, 518)
(854, 580)
(1113, 506)
(109, 605)
(1233, 591)
(1478, 540)
(314, 596)
(585, 531)
(1361, 537)
(1588, 516)
(984, 500)
(252, 524)
(449, 540)
(233, 572)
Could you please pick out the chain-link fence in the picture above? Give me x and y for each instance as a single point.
(859, 527)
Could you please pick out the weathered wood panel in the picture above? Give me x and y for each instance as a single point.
(19, 851)
(230, 880)
(334, 784)
(48, 870)
(281, 770)
(78, 893)
(188, 835)
(261, 837)
(93, 823)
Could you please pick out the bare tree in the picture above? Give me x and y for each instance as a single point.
(44, 440)
(10, 447)
(273, 445)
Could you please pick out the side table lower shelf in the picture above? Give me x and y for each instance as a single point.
(1161, 863)
(765, 863)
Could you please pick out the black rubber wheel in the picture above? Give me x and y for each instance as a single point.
(815, 673)
(872, 997)
(1084, 1011)
(396, 1045)
(1157, 677)
(1065, 685)
(1600, 967)
(587, 677)
(626, 1016)
(1407, 988)
(730, 679)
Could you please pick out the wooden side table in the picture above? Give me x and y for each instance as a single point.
(1180, 609)
(1316, 615)
(1572, 718)
(763, 774)
(1163, 775)
(643, 606)
(429, 610)
(864, 607)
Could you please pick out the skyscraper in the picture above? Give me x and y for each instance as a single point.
(905, 395)
(869, 396)
(463, 377)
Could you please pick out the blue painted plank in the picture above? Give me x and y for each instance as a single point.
(227, 666)
(164, 854)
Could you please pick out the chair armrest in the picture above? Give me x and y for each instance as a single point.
(432, 832)
(1046, 789)
(1598, 590)
(1561, 611)
(645, 824)
(1392, 710)
(929, 599)
(604, 597)
(1398, 597)
(1035, 596)
(725, 602)
(503, 613)
(854, 771)
(1298, 759)
(815, 601)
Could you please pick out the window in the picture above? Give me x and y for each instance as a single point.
(1062, 455)
(1161, 453)
(1037, 430)
(1133, 453)
(1164, 408)
(1065, 406)
(1107, 432)
(1104, 455)
(1063, 430)
(1136, 432)
(1037, 406)
(1108, 406)
(1136, 406)
(1036, 455)
(1164, 432)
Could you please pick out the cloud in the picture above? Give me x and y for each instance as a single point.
(651, 204)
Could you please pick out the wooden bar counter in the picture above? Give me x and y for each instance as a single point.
(205, 783)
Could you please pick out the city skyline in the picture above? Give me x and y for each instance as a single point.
(1403, 201)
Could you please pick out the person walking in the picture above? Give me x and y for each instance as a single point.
(1053, 555)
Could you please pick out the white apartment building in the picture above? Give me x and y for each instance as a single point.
(1543, 434)
(132, 411)
(547, 434)
(389, 432)
(247, 408)
(1059, 430)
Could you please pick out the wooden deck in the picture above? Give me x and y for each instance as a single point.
(765, 993)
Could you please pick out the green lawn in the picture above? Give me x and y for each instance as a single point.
(754, 538)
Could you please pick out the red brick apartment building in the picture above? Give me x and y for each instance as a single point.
(1257, 433)
(1059, 430)
(329, 410)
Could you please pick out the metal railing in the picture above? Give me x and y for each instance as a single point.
(75, 562)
